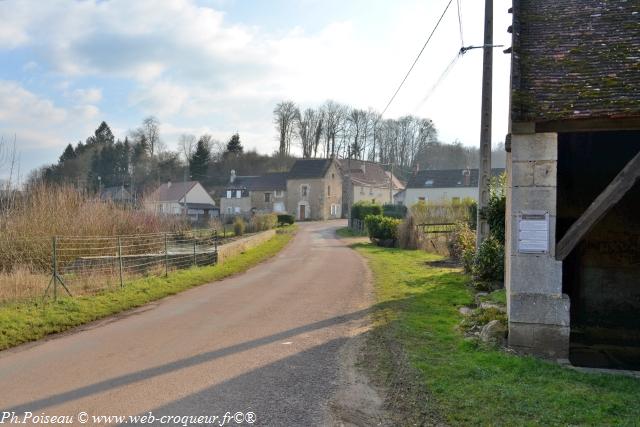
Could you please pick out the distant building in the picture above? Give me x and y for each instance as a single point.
(314, 189)
(366, 181)
(182, 198)
(264, 193)
(117, 195)
(449, 185)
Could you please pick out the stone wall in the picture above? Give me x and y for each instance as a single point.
(538, 310)
(237, 246)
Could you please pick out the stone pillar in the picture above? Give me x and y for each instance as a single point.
(538, 311)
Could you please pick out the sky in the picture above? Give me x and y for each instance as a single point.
(221, 66)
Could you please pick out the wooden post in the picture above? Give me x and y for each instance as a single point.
(195, 263)
(166, 256)
(484, 170)
(606, 200)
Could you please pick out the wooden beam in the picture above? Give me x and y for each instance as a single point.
(611, 195)
(589, 125)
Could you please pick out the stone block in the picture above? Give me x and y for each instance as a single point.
(535, 274)
(533, 198)
(545, 173)
(540, 340)
(522, 174)
(538, 146)
(546, 309)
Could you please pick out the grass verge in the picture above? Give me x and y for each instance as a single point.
(460, 382)
(26, 321)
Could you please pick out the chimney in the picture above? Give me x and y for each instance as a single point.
(466, 177)
(233, 176)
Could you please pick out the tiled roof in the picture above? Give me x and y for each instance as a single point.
(575, 59)
(309, 168)
(447, 178)
(367, 173)
(268, 181)
(172, 191)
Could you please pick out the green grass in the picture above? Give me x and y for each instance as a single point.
(25, 321)
(475, 385)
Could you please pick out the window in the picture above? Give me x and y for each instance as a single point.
(237, 209)
(278, 193)
(305, 191)
(229, 210)
(428, 183)
(267, 197)
(422, 199)
(333, 176)
(229, 194)
(328, 190)
(238, 194)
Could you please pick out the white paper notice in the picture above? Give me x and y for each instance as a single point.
(533, 233)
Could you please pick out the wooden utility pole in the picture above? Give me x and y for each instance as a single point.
(484, 171)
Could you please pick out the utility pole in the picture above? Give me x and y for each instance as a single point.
(484, 171)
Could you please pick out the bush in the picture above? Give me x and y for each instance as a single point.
(488, 265)
(394, 211)
(382, 230)
(238, 226)
(462, 245)
(360, 210)
(494, 213)
(285, 219)
(262, 222)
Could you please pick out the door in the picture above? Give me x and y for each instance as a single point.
(302, 212)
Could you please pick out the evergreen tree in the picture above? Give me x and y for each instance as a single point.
(68, 154)
(234, 146)
(103, 134)
(200, 161)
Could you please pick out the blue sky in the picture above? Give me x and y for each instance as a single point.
(220, 66)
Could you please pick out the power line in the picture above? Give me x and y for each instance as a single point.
(460, 22)
(417, 58)
(444, 74)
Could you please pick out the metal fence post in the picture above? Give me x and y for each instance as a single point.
(195, 262)
(120, 261)
(166, 256)
(215, 247)
(55, 277)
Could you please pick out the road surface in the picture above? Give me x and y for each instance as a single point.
(266, 342)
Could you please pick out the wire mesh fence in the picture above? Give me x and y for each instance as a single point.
(79, 265)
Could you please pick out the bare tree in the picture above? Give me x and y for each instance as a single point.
(285, 116)
(151, 131)
(187, 145)
(333, 118)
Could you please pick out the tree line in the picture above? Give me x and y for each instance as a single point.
(342, 131)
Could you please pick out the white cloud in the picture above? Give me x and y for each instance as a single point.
(192, 68)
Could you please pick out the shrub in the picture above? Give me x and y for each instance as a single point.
(488, 265)
(494, 213)
(394, 211)
(262, 222)
(360, 210)
(285, 219)
(238, 226)
(462, 245)
(382, 230)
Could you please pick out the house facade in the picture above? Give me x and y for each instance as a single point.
(366, 181)
(572, 256)
(182, 198)
(247, 194)
(314, 189)
(448, 185)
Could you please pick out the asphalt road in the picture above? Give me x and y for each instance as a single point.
(266, 341)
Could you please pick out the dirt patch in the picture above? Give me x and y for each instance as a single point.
(444, 263)
(407, 400)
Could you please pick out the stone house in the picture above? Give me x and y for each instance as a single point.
(182, 198)
(314, 189)
(573, 228)
(447, 185)
(246, 194)
(366, 181)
